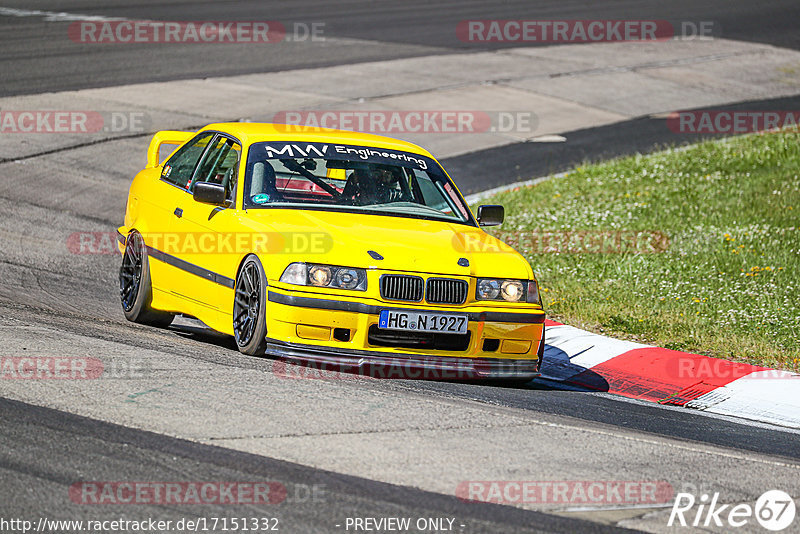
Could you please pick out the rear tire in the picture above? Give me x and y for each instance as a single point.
(249, 308)
(135, 289)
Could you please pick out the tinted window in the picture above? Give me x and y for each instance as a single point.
(220, 164)
(350, 178)
(179, 168)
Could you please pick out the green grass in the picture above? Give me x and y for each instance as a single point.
(728, 283)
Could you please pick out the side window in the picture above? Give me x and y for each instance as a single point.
(179, 168)
(442, 197)
(220, 164)
(430, 195)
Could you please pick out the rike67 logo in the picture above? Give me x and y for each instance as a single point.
(774, 510)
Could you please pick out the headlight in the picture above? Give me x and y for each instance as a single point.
(511, 290)
(320, 275)
(347, 278)
(488, 289)
(309, 274)
(507, 290)
(296, 273)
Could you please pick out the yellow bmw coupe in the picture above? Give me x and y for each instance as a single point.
(326, 246)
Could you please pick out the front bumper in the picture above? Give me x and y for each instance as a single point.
(378, 364)
(303, 327)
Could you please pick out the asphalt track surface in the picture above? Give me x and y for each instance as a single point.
(35, 439)
(519, 161)
(35, 59)
(45, 450)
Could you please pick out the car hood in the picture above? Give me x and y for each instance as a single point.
(411, 245)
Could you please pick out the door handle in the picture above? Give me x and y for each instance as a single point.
(178, 212)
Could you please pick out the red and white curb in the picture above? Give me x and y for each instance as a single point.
(592, 361)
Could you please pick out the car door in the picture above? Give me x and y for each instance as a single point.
(167, 193)
(208, 247)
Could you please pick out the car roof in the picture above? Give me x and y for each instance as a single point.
(254, 132)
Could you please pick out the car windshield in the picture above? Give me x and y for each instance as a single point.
(350, 178)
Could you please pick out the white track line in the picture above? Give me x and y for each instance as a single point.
(55, 16)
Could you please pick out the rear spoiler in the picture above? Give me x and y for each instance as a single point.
(165, 137)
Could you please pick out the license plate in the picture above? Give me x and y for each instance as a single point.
(423, 321)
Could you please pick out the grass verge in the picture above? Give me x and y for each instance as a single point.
(694, 249)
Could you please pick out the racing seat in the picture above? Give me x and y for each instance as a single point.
(363, 189)
(360, 188)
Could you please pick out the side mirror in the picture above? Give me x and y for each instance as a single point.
(209, 193)
(491, 215)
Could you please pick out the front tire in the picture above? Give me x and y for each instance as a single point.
(249, 308)
(135, 289)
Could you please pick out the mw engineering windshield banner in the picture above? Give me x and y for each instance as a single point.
(330, 151)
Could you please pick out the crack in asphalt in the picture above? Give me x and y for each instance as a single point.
(73, 147)
(377, 431)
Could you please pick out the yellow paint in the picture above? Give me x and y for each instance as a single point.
(414, 246)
